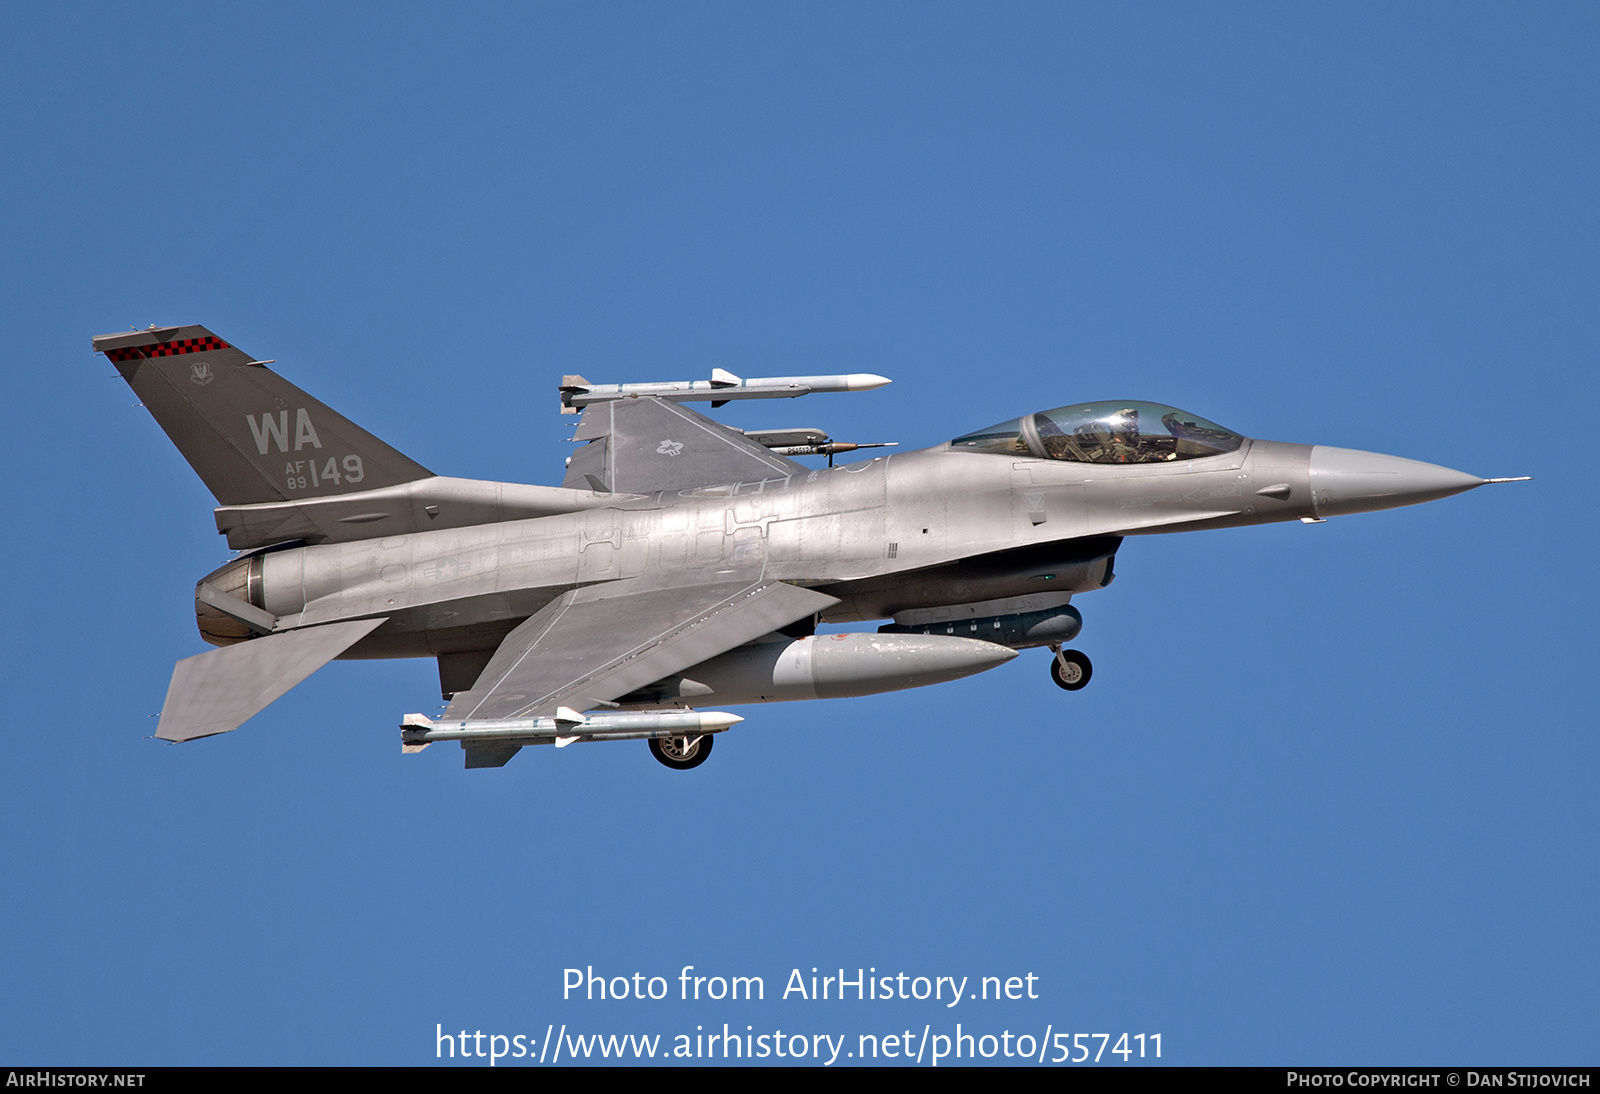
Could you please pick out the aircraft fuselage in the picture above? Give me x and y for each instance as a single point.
(886, 535)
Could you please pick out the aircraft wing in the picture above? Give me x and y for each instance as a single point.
(594, 644)
(640, 446)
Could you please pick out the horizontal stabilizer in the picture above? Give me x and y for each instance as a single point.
(219, 691)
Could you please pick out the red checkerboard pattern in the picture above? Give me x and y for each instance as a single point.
(168, 349)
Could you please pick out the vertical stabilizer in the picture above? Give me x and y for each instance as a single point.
(250, 435)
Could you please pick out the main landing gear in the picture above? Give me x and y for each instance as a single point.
(681, 753)
(1070, 669)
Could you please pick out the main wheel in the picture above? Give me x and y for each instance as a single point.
(1070, 669)
(681, 753)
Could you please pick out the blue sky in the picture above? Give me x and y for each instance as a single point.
(1329, 798)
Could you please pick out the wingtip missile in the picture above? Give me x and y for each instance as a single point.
(724, 386)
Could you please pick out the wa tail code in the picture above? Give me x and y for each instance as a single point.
(276, 430)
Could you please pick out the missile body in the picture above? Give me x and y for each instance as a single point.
(418, 731)
(576, 392)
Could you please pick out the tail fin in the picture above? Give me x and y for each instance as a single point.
(249, 434)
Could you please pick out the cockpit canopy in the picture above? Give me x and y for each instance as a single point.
(1115, 432)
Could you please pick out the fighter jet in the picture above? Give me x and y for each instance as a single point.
(682, 565)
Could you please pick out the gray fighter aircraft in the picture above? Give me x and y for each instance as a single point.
(682, 564)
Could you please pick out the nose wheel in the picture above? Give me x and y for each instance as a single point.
(1070, 669)
(681, 753)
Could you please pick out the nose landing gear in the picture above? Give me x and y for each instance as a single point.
(1070, 669)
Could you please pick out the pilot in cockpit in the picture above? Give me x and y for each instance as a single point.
(1123, 446)
(1107, 432)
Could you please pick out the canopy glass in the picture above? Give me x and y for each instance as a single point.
(1112, 432)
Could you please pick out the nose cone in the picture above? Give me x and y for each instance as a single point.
(1346, 480)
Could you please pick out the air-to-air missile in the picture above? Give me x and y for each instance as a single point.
(683, 563)
(723, 387)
